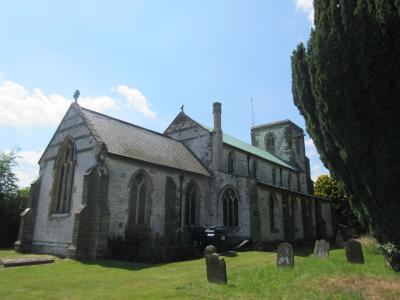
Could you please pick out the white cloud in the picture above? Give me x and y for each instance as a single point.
(311, 151)
(29, 158)
(27, 168)
(316, 166)
(307, 7)
(21, 107)
(316, 170)
(137, 100)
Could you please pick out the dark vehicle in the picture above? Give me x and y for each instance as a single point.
(203, 236)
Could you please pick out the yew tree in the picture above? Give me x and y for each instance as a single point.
(346, 84)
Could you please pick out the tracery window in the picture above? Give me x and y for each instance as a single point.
(230, 206)
(191, 204)
(63, 180)
(139, 198)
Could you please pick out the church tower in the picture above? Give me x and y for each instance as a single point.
(285, 140)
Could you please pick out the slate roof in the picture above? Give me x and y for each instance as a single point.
(234, 142)
(131, 141)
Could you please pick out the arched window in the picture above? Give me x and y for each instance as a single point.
(63, 179)
(139, 198)
(271, 207)
(191, 204)
(254, 169)
(172, 217)
(270, 142)
(230, 162)
(230, 205)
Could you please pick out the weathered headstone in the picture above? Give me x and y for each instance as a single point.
(210, 249)
(321, 249)
(216, 269)
(339, 239)
(284, 257)
(354, 253)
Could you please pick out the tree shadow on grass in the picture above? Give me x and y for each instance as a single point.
(120, 264)
(126, 265)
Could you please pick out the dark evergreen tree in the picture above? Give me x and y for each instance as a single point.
(11, 200)
(347, 86)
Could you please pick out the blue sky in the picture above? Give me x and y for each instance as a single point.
(141, 60)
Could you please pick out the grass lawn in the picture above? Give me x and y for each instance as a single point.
(251, 275)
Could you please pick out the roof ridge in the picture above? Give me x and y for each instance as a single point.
(128, 123)
(281, 161)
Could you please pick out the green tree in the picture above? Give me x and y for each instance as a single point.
(11, 200)
(327, 187)
(346, 84)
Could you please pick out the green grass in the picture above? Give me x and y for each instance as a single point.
(251, 275)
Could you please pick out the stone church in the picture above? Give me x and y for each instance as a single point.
(102, 177)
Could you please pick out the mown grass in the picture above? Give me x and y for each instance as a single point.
(251, 275)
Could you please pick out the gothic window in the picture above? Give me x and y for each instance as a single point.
(230, 205)
(270, 142)
(139, 199)
(254, 169)
(289, 181)
(63, 180)
(230, 162)
(172, 216)
(272, 207)
(191, 204)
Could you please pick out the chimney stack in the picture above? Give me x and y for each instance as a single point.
(217, 138)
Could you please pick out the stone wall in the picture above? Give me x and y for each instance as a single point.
(121, 172)
(53, 232)
(241, 186)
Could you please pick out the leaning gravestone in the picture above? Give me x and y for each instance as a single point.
(284, 257)
(321, 249)
(216, 269)
(339, 239)
(210, 249)
(354, 253)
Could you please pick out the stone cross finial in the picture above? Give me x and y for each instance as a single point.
(76, 95)
(182, 107)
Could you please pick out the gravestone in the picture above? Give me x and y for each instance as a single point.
(284, 257)
(25, 261)
(354, 253)
(321, 249)
(216, 269)
(339, 239)
(210, 249)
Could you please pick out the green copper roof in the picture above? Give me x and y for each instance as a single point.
(229, 140)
